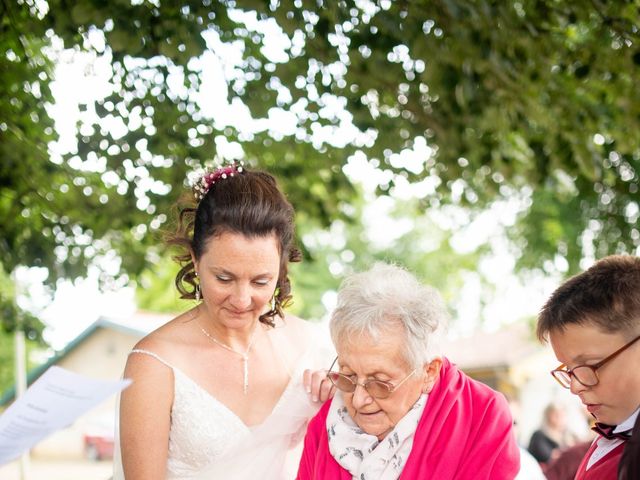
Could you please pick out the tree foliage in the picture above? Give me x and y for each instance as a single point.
(534, 97)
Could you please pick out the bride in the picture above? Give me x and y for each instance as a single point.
(225, 389)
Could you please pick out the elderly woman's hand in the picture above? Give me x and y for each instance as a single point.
(318, 385)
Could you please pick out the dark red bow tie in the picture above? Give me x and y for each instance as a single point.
(607, 431)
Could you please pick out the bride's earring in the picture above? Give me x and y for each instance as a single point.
(274, 299)
(197, 290)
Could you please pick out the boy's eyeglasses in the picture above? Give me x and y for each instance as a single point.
(378, 389)
(585, 374)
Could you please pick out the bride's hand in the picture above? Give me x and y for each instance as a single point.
(318, 385)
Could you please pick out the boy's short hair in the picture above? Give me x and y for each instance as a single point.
(606, 295)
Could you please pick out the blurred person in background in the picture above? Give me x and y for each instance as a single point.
(566, 461)
(552, 436)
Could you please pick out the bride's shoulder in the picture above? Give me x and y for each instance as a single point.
(170, 341)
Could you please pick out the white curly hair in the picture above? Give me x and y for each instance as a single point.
(384, 298)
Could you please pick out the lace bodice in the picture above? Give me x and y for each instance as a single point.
(209, 441)
(202, 428)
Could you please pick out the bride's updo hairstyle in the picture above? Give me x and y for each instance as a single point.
(233, 199)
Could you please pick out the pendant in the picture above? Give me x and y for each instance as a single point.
(245, 385)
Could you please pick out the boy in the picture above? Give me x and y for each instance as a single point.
(593, 324)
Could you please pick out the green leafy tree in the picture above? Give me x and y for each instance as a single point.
(156, 289)
(536, 98)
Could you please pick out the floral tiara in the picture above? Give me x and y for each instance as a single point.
(202, 185)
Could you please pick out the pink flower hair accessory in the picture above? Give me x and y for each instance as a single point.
(210, 177)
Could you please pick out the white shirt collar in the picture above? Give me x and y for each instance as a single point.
(628, 423)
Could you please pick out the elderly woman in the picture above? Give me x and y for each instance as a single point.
(401, 411)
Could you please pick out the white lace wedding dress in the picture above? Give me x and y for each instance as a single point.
(208, 441)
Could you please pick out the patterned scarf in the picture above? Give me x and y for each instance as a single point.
(362, 454)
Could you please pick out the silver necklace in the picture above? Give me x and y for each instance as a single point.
(245, 355)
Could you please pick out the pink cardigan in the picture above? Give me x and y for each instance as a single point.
(465, 433)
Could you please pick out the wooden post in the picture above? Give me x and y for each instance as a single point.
(21, 385)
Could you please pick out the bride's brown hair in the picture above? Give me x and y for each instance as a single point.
(249, 203)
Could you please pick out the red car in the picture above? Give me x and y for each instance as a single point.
(98, 447)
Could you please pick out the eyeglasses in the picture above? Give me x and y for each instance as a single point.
(376, 388)
(585, 374)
